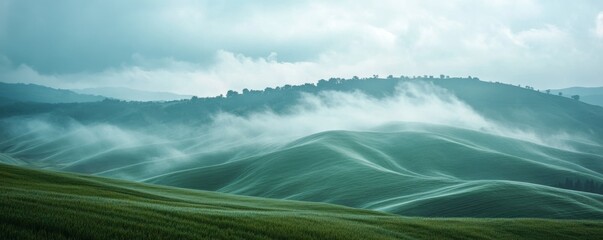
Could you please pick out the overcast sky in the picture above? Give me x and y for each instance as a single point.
(207, 47)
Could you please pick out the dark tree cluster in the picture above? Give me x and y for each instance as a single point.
(585, 185)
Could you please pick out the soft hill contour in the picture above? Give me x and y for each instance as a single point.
(416, 147)
(420, 170)
(18, 92)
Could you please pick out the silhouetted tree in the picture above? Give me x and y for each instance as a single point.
(568, 183)
(576, 97)
(548, 91)
(589, 185)
(231, 93)
(578, 185)
(560, 94)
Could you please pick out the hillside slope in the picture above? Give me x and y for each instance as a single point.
(591, 95)
(49, 205)
(507, 104)
(426, 171)
(464, 147)
(395, 168)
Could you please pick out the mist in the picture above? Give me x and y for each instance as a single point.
(106, 149)
(413, 102)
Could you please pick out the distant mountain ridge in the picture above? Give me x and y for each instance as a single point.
(19, 92)
(129, 94)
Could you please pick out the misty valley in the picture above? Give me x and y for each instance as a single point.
(457, 145)
(309, 120)
(410, 146)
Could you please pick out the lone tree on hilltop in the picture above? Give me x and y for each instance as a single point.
(576, 97)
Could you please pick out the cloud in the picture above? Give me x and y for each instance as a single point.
(356, 111)
(412, 103)
(230, 71)
(194, 47)
(535, 37)
(599, 25)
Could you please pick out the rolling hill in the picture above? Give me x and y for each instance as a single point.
(38, 204)
(415, 147)
(395, 168)
(455, 172)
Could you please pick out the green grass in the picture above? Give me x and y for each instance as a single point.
(38, 204)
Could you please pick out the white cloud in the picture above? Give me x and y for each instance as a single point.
(599, 25)
(548, 35)
(230, 71)
(193, 48)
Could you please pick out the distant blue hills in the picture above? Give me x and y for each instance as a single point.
(19, 92)
(129, 94)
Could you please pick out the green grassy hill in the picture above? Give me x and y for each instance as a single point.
(38, 204)
(448, 172)
(539, 155)
(395, 168)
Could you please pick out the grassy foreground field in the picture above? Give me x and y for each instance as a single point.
(38, 204)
